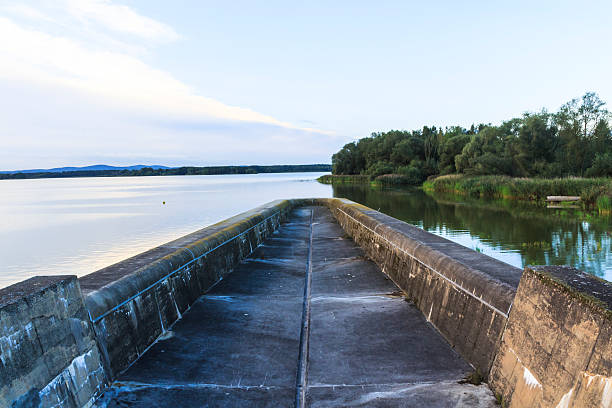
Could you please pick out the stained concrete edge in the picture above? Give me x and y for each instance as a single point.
(110, 286)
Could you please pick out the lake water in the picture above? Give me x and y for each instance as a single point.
(78, 225)
(515, 232)
(75, 226)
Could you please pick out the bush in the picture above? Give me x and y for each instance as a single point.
(379, 168)
(413, 174)
(602, 166)
(396, 179)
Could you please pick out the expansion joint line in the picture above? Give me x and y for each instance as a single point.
(302, 374)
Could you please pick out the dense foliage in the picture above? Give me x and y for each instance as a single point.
(178, 171)
(575, 141)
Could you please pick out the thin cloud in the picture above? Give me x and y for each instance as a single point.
(120, 78)
(23, 10)
(121, 19)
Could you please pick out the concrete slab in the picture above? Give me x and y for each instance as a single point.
(329, 249)
(350, 276)
(257, 340)
(361, 340)
(265, 279)
(227, 340)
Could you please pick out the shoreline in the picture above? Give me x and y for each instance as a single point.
(595, 193)
(178, 171)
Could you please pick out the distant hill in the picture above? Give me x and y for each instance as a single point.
(95, 167)
(142, 170)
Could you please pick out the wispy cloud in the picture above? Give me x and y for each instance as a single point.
(45, 54)
(120, 18)
(23, 10)
(77, 87)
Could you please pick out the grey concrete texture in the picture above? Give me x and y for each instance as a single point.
(134, 302)
(557, 346)
(464, 294)
(240, 344)
(485, 277)
(581, 283)
(48, 353)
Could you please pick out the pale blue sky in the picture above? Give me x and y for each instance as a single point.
(245, 82)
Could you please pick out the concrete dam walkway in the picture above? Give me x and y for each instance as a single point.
(308, 321)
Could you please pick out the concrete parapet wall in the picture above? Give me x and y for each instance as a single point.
(48, 352)
(549, 344)
(466, 295)
(134, 302)
(557, 347)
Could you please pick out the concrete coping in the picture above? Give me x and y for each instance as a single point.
(491, 281)
(25, 289)
(113, 285)
(588, 289)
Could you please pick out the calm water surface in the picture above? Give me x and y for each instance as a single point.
(76, 226)
(79, 225)
(517, 233)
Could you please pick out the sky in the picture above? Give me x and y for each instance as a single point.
(277, 82)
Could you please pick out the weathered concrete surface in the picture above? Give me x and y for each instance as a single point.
(134, 302)
(464, 294)
(305, 320)
(557, 347)
(48, 353)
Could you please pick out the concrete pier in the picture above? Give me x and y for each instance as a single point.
(306, 320)
(308, 303)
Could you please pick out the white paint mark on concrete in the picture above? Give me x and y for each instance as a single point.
(132, 313)
(604, 383)
(178, 312)
(64, 301)
(168, 334)
(78, 367)
(606, 396)
(565, 401)
(589, 378)
(530, 379)
(73, 379)
(221, 298)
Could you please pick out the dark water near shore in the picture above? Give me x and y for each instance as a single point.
(515, 232)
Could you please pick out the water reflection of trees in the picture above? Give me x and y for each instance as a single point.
(539, 235)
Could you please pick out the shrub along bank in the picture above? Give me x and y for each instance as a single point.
(383, 180)
(594, 192)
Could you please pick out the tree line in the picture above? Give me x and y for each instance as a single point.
(178, 171)
(574, 141)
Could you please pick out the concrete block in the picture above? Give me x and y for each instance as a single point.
(558, 335)
(47, 348)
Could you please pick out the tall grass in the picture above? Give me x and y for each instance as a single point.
(384, 180)
(333, 178)
(604, 203)
(521, 188)
(396, 179)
